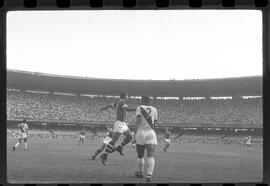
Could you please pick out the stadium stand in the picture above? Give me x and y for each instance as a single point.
(236, 111)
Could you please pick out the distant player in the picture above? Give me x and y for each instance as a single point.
(23, 134)
(120, 127)
(82, 136)
(248, 142)
(53, 135)
(167, 140)
(145, 136)
(106, 140)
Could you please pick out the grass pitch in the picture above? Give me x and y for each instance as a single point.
(64, 161)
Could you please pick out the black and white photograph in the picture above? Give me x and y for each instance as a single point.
(134, 96)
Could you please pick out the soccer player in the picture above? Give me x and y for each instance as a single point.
(146, 118)
(106, 140)
(248, 142)
(82, 136)
(120, 127)
(167, 140)
(22, 135)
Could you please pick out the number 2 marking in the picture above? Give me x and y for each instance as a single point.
(148, 111)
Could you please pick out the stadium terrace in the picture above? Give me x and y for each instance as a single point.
(244, 86)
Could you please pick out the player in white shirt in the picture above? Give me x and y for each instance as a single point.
(145, 137)
(23, 134)
(248, 142)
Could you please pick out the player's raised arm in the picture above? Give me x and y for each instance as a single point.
(107, 107)
(125, 106)
(130, 109)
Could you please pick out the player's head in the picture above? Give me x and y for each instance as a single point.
(146, 100)
(123, 95)
(24, 120)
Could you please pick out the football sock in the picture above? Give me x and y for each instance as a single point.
(17, 144)
(97, 152)
(140, 163)
(151, 165)
(124, 142)
(109, 149)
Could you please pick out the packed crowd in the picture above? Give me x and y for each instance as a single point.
(84, 109)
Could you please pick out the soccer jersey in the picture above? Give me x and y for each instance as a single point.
(121, 110)
(248, 140)
(23, 127)
(167, 135)
(83, 132)
(149, 116)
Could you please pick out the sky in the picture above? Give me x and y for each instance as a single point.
(151, 44)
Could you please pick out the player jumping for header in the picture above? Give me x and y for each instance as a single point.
(167, 140)
(120, 127)
(145, 137)
(22, 135)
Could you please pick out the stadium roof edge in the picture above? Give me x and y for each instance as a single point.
(251, 85)
(109, 79)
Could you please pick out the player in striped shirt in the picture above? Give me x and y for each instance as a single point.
(120, 127)
(23, 134)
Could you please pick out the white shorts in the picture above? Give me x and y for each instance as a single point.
(81, 136)
(144, 137)
(22, 135)
(107, 139)
(248, 143)
(120, 126)
(168, 141)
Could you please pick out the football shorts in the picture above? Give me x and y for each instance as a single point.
(82, 136)
(167, 141)
(23, 135)
(120, 126)
(144, 137)
(107, 139)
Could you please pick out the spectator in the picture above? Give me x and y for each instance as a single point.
(83, 109)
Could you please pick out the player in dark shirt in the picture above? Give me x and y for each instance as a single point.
(82, 136)
(120, 127)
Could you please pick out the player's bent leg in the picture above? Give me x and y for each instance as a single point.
(98, 151)
(127, 139)
(79, 141)
(17, 144)
(150, 148)
(83, 139)
(166, 147)
(140, 160)
(110, 147)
